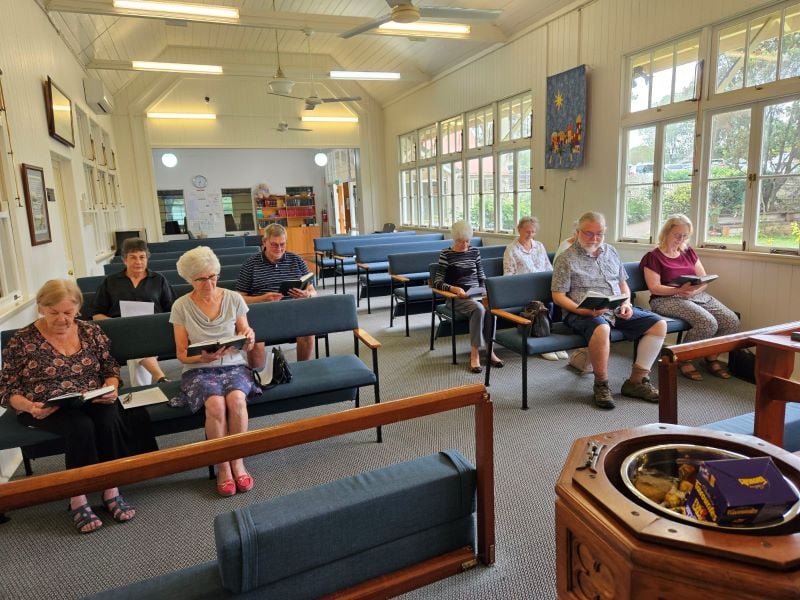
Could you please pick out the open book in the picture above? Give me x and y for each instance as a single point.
(476, 292)
(234, 341)
(301, 283)
(692, 279)
(77, 399)
(596, 300)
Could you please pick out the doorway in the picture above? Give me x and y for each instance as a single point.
(61, 169)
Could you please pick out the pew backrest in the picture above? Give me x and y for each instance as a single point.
(347, 247)
(325, 244)
(184, 245)
(380, 252)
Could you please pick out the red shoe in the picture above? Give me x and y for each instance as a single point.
(226, 488)
(244, 483)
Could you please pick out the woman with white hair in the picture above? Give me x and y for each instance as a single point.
(526, 255)
(458, 272)
(219, 381)
(708, 316)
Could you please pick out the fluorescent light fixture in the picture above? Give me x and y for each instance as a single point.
(423, 27)
(143, 65)
(159, 115)
(179, 8)
(364, 75)
(309, 119)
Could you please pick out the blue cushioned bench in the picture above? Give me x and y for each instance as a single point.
(508, 296)
(372, 264)
(168, 264)
(226, 273)
(333, 536)
(177, 254)
(324, 380)
(346, 248)
(410, 271)
(184, 245)
(324, 263)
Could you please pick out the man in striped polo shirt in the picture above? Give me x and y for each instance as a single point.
(260, 279)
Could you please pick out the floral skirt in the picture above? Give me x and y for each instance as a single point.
(198, 384)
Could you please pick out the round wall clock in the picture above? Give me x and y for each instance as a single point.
(199, 181)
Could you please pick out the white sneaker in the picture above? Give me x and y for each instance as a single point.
(549, 356)
(562, 355)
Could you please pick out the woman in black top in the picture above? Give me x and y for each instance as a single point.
(135, 283)
(460, 272)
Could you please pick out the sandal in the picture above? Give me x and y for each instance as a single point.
(244, 483)
(689, 371)
(84, 516)
(117, 507)
(716, 369)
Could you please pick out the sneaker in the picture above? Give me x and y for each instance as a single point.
(602, 395)
(549, 356)
(643, 390)
(562, 355)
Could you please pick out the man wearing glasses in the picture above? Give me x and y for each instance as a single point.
(592, 265)
(260, 279)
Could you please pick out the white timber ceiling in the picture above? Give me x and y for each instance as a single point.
(106, 40)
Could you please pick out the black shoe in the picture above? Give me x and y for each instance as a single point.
(476, 369)
(163, 380)
(497, 364)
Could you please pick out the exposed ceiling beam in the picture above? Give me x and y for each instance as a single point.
(334, 24)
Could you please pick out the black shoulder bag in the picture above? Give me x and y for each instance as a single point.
(280, 368)
(538, 314)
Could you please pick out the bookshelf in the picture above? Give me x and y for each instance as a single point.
(296, 210)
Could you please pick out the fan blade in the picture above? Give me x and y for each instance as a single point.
(345, 99)
(285, 96)
(299, 129)
(473, 14)
(366, 27)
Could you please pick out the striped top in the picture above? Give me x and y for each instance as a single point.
(462, 269)
(258, 275)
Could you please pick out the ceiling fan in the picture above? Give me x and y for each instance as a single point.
(406, 12)
(313, 100)
(284, 126)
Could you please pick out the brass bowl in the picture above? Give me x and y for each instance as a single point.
(662, 460)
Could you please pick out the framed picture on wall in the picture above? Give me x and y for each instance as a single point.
(59, 113)
(36, 204)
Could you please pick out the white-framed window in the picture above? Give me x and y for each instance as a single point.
(10, 290)
(408, 196)
(408, 148)
(515, 115)
(514, 187)
(452, 135)
(171, 211)
(663, 75)
(451, 181)
(480, 128)
(758, 49)
(657, 181)
(237, 208)
(427, 142)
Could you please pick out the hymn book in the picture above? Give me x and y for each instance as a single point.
(211, 346)
(300, 284)
(77, 399)
(595, 301)
(692, 280)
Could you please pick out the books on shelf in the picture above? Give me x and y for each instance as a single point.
(301, 283)
(692, 280)
(211, 346)
(77, 399)
(595, 301)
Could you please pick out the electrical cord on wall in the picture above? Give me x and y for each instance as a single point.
(563, 207)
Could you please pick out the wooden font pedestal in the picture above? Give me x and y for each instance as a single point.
(610, 547)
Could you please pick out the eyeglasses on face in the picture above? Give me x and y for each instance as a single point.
(593, 235)
(680, 236)
(206, 279)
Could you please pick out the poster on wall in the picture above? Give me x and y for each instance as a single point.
(204, 214)
(566, 119)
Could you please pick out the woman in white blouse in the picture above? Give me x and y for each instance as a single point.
(526, 255)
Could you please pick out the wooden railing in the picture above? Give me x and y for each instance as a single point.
(55, 486)
(672, 356)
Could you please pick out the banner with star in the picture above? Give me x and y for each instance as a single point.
(566, 119)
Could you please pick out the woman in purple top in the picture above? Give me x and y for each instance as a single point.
(708, 316)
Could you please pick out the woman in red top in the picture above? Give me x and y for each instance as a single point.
(708, 316)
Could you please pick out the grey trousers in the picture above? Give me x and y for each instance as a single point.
(481, 323)
(708, 316)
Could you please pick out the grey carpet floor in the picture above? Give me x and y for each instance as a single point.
(43, 557)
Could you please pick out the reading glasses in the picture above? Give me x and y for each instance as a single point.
(206, 279)
(593, 235)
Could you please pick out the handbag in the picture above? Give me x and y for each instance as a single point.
(538, 314)
(280, 368)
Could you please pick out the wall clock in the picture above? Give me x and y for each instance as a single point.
(200, 182)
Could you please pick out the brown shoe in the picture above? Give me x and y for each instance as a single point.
(602, 395)
(642, 390)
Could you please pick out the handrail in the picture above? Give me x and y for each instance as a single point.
(45, 488)
(671, 356)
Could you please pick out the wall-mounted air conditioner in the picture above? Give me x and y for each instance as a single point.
(97, 97)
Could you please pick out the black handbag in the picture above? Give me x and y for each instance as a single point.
(280, 368)
(538, 314)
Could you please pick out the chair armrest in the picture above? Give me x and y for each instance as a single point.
(319, 253)
(400, 278)
(338, 257)
(443, 293)
(365, 337)
(504, 314)
(362, 266)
